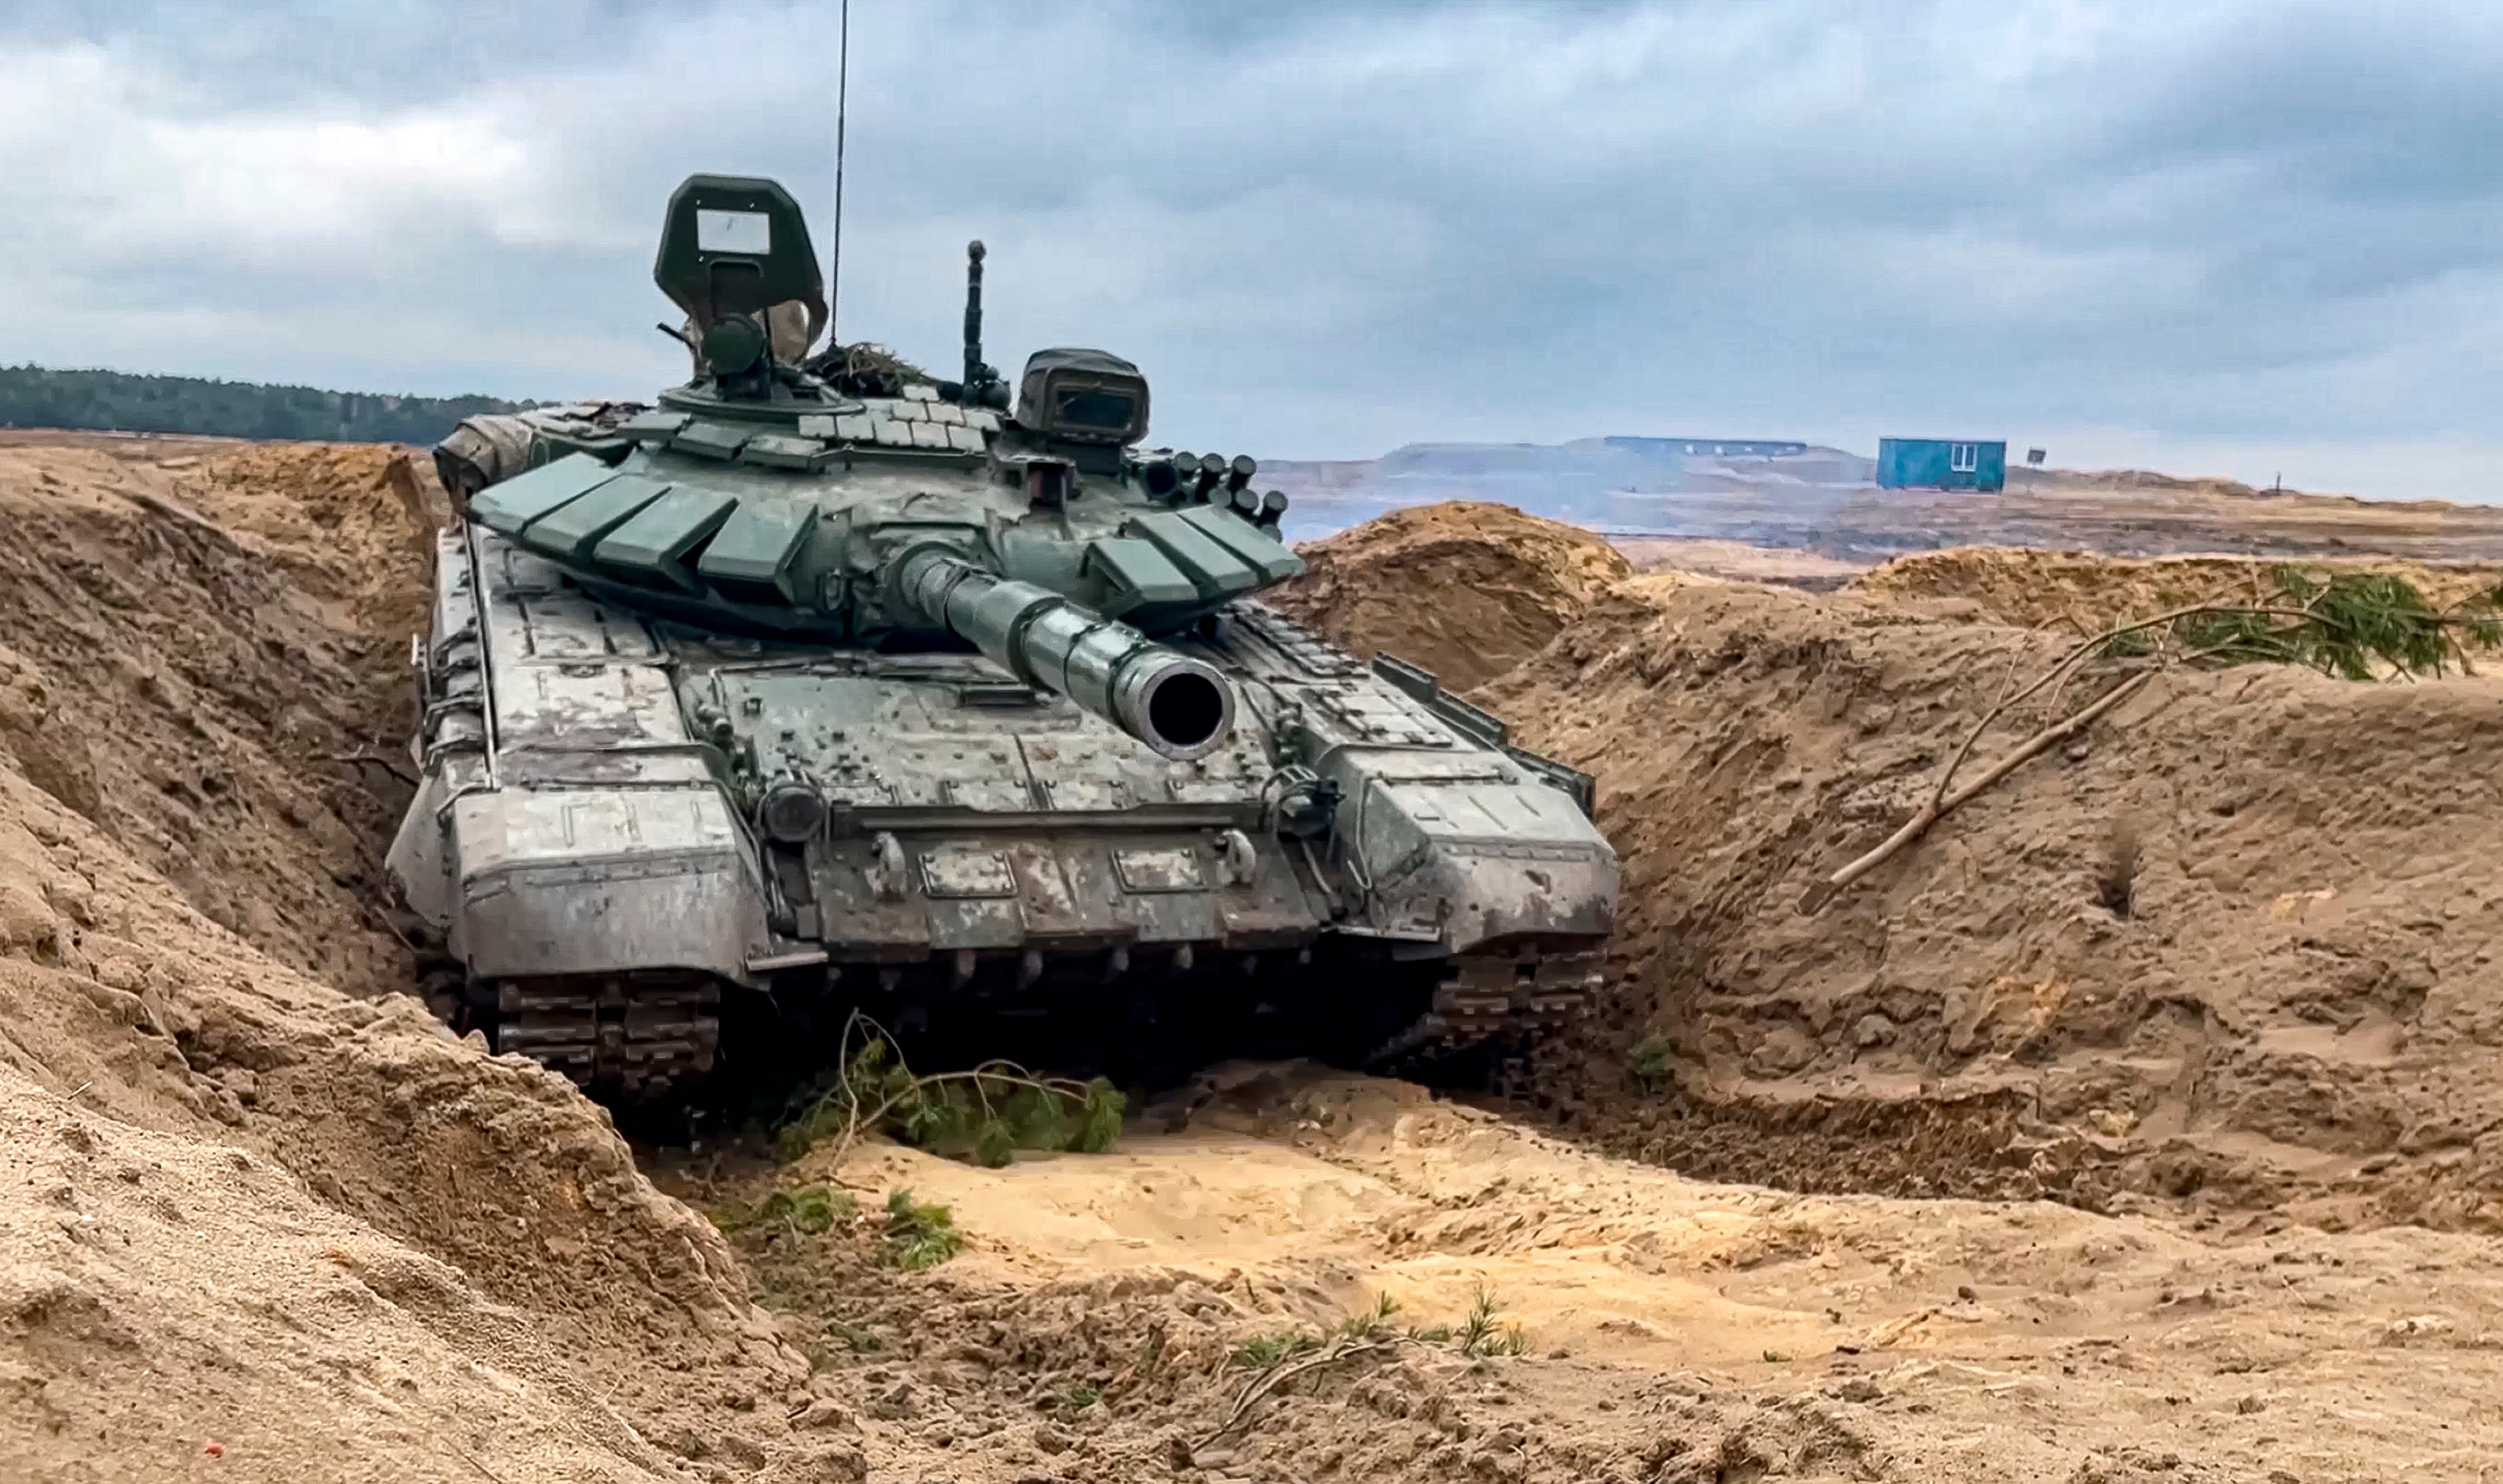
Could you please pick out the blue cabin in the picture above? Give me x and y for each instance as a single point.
(1941, 463)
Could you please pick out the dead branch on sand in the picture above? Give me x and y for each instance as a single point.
(2353, 626)
(1939, 804)
(1286, 1371)
(366, 757)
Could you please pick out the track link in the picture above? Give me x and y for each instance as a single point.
(637, 1036)
(1490, 999)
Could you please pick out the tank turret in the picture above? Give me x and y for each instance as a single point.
(821, 684)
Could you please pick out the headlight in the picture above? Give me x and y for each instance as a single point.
(791, 812)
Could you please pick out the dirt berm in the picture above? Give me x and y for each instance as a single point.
(257, 1229)
(1467, 590)
(2081, 593)
(204, 652)
(2236, 945)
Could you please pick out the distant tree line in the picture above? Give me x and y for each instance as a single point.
(33, 396)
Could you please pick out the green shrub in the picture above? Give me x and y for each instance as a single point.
(1262, 1351)
(1365, 1323)
(918, 1236)
(1648, 1061)
(1480, 1333)
(811, 1210)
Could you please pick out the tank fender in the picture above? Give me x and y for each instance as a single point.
(1468, 850)
(590, 881)
(418, 865)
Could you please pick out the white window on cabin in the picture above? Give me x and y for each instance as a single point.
(1964, 458)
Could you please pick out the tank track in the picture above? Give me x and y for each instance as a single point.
(1496, 1000)
(640, 1036)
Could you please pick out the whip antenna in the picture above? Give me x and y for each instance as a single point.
(842, 102)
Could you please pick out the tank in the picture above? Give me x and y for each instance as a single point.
(822, 685)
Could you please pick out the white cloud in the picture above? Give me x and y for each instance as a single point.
(2238, 224)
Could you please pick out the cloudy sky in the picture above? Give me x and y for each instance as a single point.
(2211, 236)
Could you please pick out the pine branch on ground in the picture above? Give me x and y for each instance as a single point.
(987, 1113)
(919, 1234)
(2355, 625)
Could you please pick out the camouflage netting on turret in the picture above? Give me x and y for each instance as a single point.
(494, 447)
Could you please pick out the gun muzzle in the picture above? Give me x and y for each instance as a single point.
(1178, 705)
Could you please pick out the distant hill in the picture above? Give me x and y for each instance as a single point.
(1670, 486)
(35, 396)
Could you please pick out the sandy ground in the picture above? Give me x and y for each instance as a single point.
(256, 1226)
(2133, 513)
(1728, 1331)
(1737, 561)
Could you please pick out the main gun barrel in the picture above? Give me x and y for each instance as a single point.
(1178, 705)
